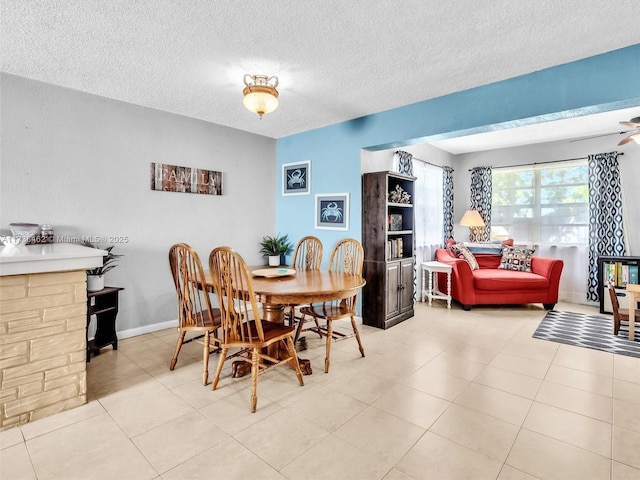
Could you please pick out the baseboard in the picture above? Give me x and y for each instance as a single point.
(575, 297)
(134, 332)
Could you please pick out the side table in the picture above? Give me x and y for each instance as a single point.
(104, 305)
(429, 270)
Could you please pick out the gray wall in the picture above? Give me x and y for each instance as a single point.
(82, 163)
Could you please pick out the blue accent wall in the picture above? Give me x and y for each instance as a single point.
(601, 83)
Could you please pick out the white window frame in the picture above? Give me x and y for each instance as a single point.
(507, 230)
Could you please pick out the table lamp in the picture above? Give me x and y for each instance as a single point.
(473, 220)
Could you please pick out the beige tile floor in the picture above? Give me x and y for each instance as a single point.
(445, 395)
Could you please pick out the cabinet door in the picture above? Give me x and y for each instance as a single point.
(406, 291)
(392, 290)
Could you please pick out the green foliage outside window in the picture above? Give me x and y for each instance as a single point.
(546, 204)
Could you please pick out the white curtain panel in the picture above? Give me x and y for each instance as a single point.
(429, 216)
(573, 288)
(424, 253)
(428, 204)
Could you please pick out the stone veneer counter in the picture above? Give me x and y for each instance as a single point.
(43, 305)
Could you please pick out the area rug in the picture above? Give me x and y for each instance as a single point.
(589, 331)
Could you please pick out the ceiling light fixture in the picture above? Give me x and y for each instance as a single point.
(635, 137)
(635, 133)
(260, 94)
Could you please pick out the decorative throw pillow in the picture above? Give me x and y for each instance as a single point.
(516, 258)
(450, 250)
(464, 252)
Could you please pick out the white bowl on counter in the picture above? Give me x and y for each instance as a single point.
(24, 230)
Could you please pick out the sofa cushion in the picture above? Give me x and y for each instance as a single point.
(500, 279)
(485, 248)
(516, 258)
(463, 252)
(491, 247)
(488, 261)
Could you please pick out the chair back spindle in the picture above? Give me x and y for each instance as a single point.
(234, 289)
(308, 254)
(188, 277)
(195, 312)
(348, 257)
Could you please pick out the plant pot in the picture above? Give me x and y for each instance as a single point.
(95, 283)
(274, 260)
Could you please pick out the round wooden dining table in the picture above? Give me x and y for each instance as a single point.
(304, 286)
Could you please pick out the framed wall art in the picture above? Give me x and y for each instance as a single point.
(296, 178)
(395, 222)
(172, 178)
(332, 211)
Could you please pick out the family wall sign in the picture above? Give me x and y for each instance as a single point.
(172, 178)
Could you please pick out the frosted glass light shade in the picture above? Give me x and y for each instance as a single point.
(260, 94)
(260, 102)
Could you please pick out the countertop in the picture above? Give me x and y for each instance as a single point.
(54, 257)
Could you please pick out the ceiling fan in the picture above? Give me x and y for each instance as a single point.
(635, 133)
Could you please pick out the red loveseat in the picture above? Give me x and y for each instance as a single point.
(490, 285)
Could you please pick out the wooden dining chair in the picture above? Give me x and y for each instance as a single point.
(346, 257)
(242, 326)
(619, 314)
(195, 313)
(306, 256)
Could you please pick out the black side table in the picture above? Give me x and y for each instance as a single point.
(104, 305)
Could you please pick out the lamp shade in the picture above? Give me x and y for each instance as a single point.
(471, 218)
(260, 94)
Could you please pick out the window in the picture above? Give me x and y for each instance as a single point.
(541, 204)
(428, 203)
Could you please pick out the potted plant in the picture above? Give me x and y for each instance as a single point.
(275, 247)
(95, 276)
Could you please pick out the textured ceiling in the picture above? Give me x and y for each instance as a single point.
(336, 59)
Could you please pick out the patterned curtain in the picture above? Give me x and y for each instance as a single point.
(447, 203)
(403, 162)
(606, 231)
(481, 201)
